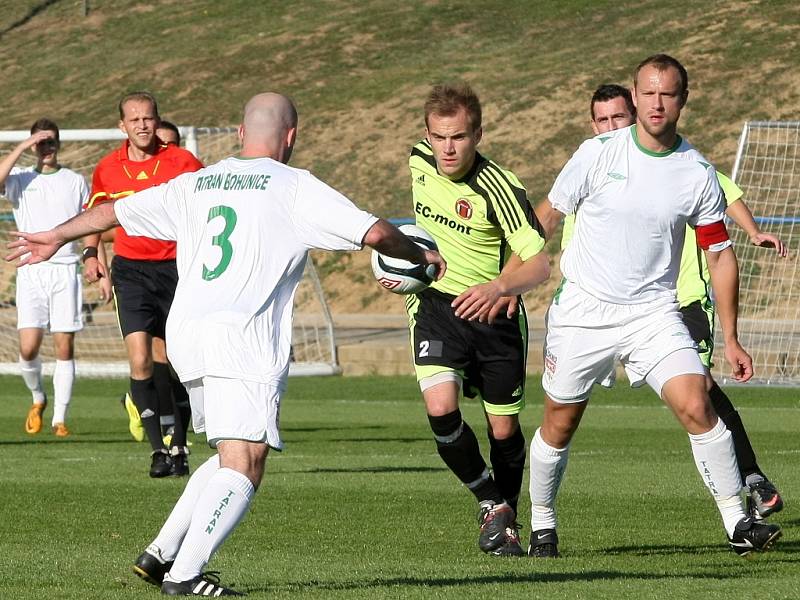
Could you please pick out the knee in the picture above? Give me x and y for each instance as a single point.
(502, 427)
(28, 353)
(141, 366)
(560, 423)
(696, 413)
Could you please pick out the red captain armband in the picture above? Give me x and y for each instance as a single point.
(713, 237)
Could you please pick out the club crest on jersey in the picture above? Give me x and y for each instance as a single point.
(464, 208)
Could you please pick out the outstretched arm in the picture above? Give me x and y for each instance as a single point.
(724, 270)
(41, 246)
(740, 213)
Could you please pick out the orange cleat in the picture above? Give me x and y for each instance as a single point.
(60, 430)
(33, 424)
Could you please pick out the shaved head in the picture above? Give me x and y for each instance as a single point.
(269, 126)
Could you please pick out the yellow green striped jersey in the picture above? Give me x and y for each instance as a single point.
(476, 221)
(693, 279)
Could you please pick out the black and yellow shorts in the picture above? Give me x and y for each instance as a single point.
(699, 320)
(489, 359)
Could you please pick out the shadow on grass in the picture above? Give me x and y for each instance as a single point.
(289, 429)
(669, 550)
(427, 582)
(373, 470)
(72, 439)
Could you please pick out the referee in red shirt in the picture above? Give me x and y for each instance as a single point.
(143, 272)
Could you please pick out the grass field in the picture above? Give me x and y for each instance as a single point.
(360, 505)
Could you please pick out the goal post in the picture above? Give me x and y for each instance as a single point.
(99, 350)
(767, 168)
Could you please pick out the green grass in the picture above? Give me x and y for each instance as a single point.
(360, 505)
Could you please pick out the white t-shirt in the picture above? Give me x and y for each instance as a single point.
(634, 208)
(244, 228)
(40, 201)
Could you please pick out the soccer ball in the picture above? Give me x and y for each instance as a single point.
(401, 276)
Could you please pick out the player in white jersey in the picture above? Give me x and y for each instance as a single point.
(244, 228)
(47, 294)
(638, 188)
(611, 108)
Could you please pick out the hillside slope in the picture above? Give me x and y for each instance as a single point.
(359, 72)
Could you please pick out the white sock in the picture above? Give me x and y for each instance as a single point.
(715, 458)
(218, 510)
(169, 539)
(32, 376)
(63, 378)
(547, 471)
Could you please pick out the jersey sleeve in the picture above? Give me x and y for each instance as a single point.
(574, 181)
(711, 201)
(732, 191)
(326, 219)
(512, 211)
(154, 212)
(13, 189)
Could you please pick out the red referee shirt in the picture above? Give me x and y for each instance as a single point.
(117, 176)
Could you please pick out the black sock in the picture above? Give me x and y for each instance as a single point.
(183, 412)
(161, 379)
(143, 392)
(508, 465)
(745, 455)
(459, 449)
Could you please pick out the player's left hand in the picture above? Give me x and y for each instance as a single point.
(767, 240)
(476, 302)
(740, 361)
(32, 248)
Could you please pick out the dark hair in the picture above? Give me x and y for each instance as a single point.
(662, 62)
(446, 99)
(139, 96)
(45, 124)
(172, 127)
(609, 91)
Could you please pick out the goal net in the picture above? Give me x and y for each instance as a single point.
(767, 168)
(99, 350)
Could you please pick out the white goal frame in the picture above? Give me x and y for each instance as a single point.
(767, 168)
(99, 350)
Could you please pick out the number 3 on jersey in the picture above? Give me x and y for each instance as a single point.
(221, 240)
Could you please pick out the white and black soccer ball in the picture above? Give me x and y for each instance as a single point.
(401, 276)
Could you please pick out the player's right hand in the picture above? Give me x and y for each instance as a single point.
(432, 257)
(37, 137)
(32, 248)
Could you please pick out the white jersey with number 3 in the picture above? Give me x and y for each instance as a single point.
(244, 228)
(634, 207)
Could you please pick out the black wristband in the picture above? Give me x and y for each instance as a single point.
(89, 252)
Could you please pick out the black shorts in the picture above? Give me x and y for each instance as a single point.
(490, 358)
(699, 320)
(143, 292)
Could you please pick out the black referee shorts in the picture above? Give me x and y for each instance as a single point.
(490, 358)
(143, 292)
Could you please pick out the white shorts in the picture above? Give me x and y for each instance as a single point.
(586, 336)
(49, 294)
(233, 409)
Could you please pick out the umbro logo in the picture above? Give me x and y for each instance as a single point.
(421, 180)
(617, 176)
